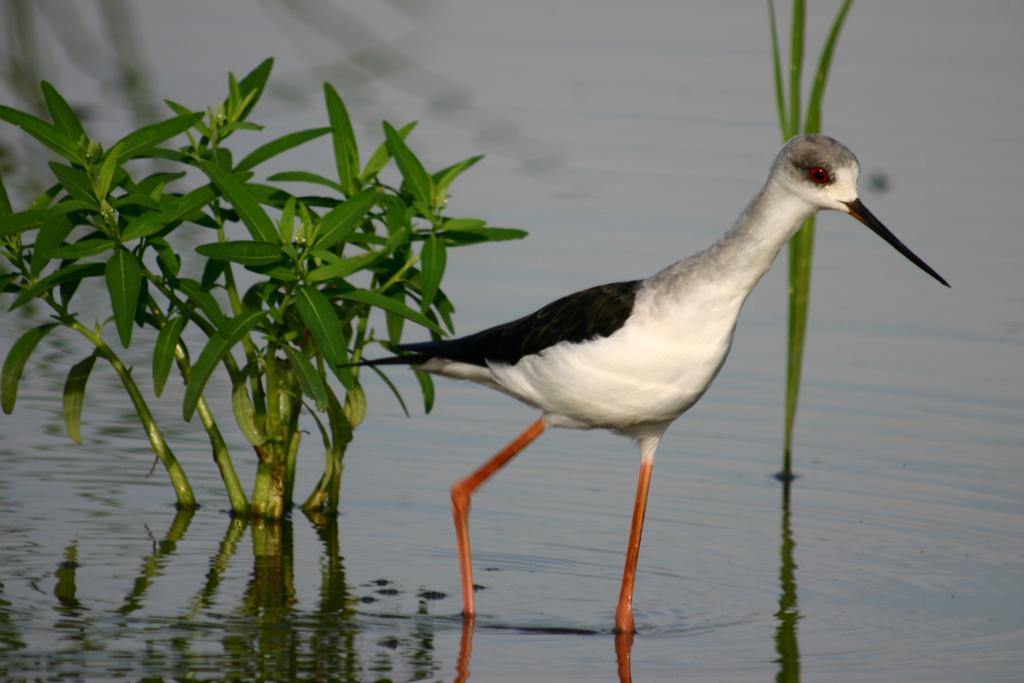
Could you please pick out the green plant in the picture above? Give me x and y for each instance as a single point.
(801, 246)
(317, 266)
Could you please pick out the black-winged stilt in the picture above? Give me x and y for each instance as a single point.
(633, 356)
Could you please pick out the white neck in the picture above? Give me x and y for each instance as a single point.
(738, 260)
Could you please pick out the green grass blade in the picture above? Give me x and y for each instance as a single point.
(74, 396)
(124, 282)
(796, 65)
(14, 364)
(801, 249)
(813, 124)
(780, 86)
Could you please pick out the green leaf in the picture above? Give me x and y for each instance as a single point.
(134, 144)
(416, 178)
(75, 182)
(73, 273)
(432, 259)
(252, 85)
(245, 412)
(444, 178)
(305, 177)
(395, 322)
(310, 381)
(246, 252)
(338, 223)
(166, 257)
(20, 222)
(82, 248)
(344, 267)
(43, 132)
(106, 174)
(355, 405)
(203, 300)
(124, 281)
(220, 345)
(5, 201)
(64, 117)
(427, 388)
(249, 211)
(394, 390)
(163, 351)
(380, 301)
(179, 209)
(74, 396)
(346, 153)
(15, 364)
(381, 156)
(318, 315)
(476, 235)
(278, 146)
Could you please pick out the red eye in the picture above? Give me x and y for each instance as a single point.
(819, 175)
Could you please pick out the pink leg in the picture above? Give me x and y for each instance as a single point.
(461, 492)
(624, 612)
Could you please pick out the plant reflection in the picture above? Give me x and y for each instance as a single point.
(789, 614)
(271, 628)
(153, 565)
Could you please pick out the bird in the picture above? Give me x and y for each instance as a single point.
(632, 356)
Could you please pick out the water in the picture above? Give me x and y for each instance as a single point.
(622, 138)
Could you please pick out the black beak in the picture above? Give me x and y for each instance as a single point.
(861, 213)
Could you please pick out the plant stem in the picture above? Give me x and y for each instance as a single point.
(183, 490)
(221, 455)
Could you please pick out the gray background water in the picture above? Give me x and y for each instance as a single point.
(622, 136)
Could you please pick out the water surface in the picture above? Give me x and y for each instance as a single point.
(622, 137)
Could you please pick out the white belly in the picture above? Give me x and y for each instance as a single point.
(629, 379)
(647, 373)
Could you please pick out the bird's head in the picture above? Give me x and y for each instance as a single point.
(823, 172)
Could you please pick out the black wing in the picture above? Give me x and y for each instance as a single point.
(595, 312)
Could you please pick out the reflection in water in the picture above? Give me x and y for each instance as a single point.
(623, 656)
(153, 565)
(269, 627)
(789, 614)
